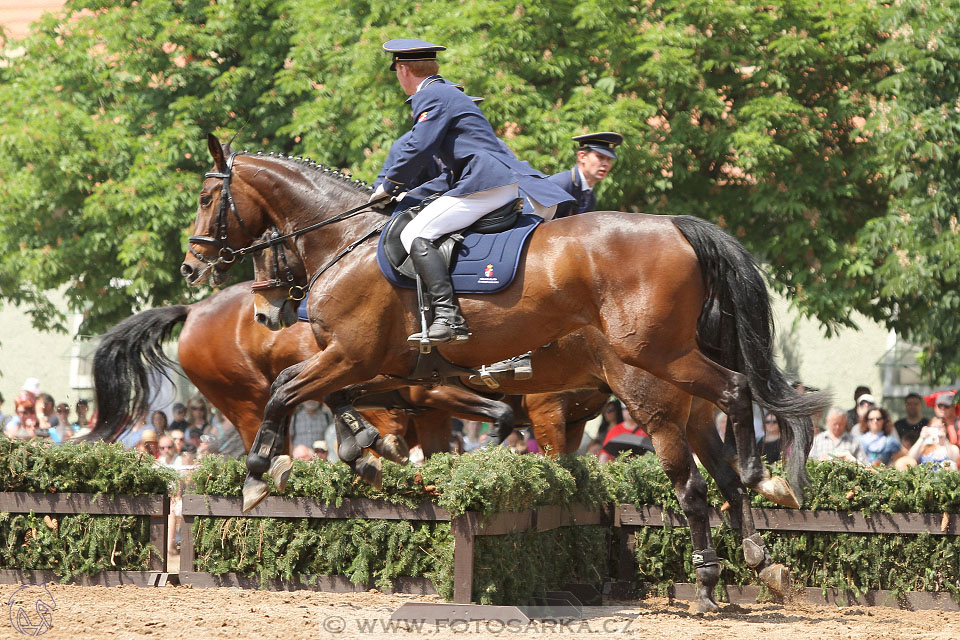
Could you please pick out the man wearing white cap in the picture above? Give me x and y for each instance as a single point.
(32, 385)
(945, 408)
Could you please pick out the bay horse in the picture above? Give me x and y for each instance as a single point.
(582, 361)
(692, 299)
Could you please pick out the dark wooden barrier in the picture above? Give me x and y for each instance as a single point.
(629, 518)
(156, 507)
(465, 529)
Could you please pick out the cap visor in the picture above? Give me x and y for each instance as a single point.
(602, 151)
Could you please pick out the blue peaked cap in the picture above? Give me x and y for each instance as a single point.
(602, 142)
(405, 49)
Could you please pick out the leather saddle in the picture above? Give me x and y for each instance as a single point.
(496, 221)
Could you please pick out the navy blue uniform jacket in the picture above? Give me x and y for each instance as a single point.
(429, 171)
(448, 125)
(570, 182)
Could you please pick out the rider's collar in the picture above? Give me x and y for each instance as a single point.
(427, 81)
(423, 83)
(579, 180)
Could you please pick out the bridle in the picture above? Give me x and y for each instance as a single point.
(281, 274)
(226, 255)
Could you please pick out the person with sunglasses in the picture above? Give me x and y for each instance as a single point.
(168, 451)
(879, 443)
(197, 417)
(178, 438)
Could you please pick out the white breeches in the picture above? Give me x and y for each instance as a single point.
(546, 213)
(447, 214)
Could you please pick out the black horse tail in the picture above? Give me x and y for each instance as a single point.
(122, 367)
(735, 329)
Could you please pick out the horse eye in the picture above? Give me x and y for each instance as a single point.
(205, 200)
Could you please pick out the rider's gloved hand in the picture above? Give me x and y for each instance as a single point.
(377, 195)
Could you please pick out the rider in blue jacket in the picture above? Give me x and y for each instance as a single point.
(485, 174)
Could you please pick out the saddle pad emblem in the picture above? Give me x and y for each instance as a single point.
(487, 277)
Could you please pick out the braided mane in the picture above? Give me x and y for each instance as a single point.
(335, 174)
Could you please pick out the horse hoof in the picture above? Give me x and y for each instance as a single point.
(393, 448)
(777, 578)
(754, 550)
(778, 491)
(707, 606)
(370, 471)
(280, 469)
(254, 491)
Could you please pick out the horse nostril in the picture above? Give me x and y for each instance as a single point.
(186, 270)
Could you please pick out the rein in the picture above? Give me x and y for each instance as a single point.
(226, 255)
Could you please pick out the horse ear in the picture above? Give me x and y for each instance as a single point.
(216, 151)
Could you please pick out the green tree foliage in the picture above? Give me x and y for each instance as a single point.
(747, 113)
(910, 254)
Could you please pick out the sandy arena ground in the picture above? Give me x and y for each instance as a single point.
(92, 613)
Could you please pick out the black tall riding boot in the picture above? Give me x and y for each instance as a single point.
(448, 324)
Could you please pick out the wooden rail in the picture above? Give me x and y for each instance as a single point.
(628, 515)
(156, 507)
(465, 529)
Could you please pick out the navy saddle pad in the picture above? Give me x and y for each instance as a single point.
(481, 263)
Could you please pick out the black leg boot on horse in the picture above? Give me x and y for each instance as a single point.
(270, 440)
(354, 434)
(448, 323)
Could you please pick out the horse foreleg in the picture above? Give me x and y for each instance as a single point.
(393, 424)
(316, 378)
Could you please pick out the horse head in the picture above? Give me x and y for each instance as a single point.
(240, 200)
(279, 283)
(212, 247)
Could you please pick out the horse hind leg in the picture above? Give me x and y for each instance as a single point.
(696, 374)
(708, 446)
(691, 489)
